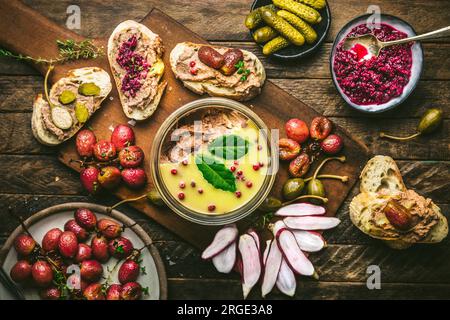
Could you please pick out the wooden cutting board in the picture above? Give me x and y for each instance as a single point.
(27, 32)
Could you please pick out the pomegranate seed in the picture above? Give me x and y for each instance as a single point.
(261, 164)
(184, 162)
(259, 147)
(236, 163)
(249, 184)
(233, 169)
(193, 71)
(192, 184)
(239, 173)
(192, 64)
(200, 190)
(256, 167)
(182, 185)
(173, 171)
(238, 194)
(211, 207)
(181, 196)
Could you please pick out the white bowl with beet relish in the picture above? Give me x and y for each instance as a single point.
(212, 161)
(376, 84)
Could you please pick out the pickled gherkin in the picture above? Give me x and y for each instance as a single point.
(89, 89)
(264, 34)
(254, 19)
(306, 30)
(308, 14)
(316, 4)
(67, 97)
(274, 45)
(283, 27)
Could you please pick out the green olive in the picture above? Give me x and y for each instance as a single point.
(154, 197)
(293, 188)
(430, 121)
(270, 204)
(315, 187)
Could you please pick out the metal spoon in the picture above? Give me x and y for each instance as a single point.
(374, 45)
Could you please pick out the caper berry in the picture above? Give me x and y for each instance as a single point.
(293, 188)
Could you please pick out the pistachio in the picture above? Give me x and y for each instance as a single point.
(89, 89)
(67, 97)
(81, 112)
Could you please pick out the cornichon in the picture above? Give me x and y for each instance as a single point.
(81, 112)
(264, 34)
(283, 27)
(274, 45)
(316, 4)
(308, 14)
(306, 30)
(67, 97)
(253, 19)
(89, 89)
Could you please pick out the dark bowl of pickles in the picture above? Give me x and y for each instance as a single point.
(290, 29)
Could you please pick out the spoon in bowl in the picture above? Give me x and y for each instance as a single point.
(374, 46)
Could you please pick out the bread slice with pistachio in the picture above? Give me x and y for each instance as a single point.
(71, 102)
(135, 57)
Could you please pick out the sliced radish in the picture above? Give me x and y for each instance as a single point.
(224, 261)
(309, 241)
(277, 226)
(266, 251)
(300, 209)
(286, 282)
(223, 238)
(255, 236)
(271, 269)
(311, 223)
(291, 252)
(251, 263)
(238, 264)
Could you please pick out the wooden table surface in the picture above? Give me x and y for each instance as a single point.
(33, 178)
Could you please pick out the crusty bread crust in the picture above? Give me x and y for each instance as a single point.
(90, 74)
(380, 179)
(149, 109)
(214, 89)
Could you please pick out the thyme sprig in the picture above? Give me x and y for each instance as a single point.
(69, 50)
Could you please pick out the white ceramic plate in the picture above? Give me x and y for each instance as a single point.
(57, 216)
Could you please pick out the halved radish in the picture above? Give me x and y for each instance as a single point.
(266, 251)
(293, 254)
(271, 269)
(255, 236)
(223, 238)
(300, 209)
(224, 261)
(251, 263)
(309, 241)
(311, 223)
(286, 282)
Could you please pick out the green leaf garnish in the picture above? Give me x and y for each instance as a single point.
(229, 147)
(215, 172)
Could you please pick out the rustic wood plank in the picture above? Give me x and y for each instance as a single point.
(18, 139)
(436, 56)
(227, 290)
(223, 20)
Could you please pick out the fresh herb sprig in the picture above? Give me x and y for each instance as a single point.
(240, 66)
(69, 50)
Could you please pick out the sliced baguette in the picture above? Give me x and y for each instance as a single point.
(82, 75)
(381, 174)
(215, 89)
(152, 104)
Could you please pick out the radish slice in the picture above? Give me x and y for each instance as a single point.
(266, 251)
(286, 282)
(223, 238)
(300, 209)
(238, 264)
(225, 260)
(309, 241)
(255, 236)
(277, 226)
(251, 263)
(272, 267)
(292, 253)
(311, 223)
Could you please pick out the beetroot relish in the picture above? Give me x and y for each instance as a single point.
(376, 80)
(135, 65)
